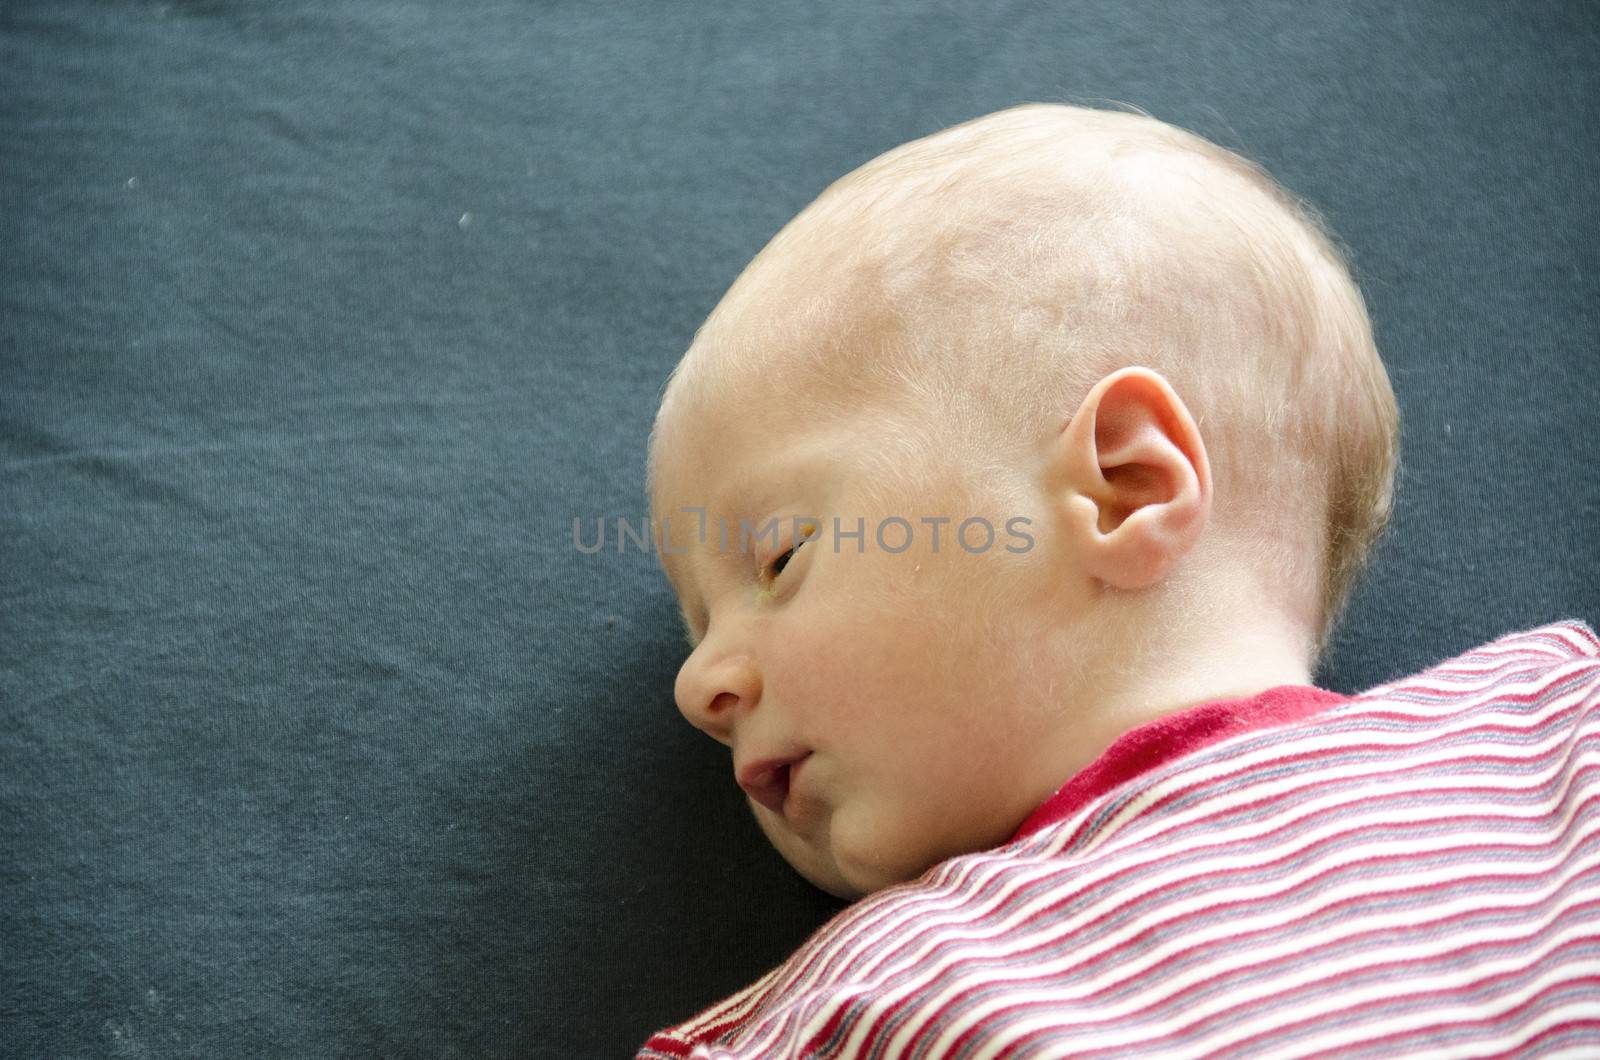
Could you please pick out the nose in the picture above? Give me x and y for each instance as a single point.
(715, 691)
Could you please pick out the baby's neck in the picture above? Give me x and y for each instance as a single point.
(1241, 664)
(1231, 652)
(1228, 638)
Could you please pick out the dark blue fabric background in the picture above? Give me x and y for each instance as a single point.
(320, 322)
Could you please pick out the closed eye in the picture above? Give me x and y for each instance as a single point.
(775, 568)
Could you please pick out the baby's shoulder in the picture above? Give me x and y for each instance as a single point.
(1500, 664)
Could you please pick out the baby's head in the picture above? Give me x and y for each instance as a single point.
(1018, 436)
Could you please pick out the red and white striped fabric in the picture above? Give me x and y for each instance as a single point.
(1414, 871)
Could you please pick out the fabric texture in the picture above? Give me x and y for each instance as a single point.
(1412, 871)
(1186, 732)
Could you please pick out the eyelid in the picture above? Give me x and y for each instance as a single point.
(808, 531)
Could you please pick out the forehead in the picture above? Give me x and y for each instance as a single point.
(736, 453)
(760, 383)
(801, 343)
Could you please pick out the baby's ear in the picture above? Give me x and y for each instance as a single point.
(1132, 472)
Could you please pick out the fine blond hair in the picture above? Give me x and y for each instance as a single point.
(1003, 266)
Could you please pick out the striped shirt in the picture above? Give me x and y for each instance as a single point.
(1412, 871)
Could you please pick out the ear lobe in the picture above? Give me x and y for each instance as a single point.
(1137, 479)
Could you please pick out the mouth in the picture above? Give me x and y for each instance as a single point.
(769, 781)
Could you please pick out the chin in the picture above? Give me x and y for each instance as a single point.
(848, 879)
(823, 875)
(836, 886)
(825, 866)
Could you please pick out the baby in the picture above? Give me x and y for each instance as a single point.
(1024, 472)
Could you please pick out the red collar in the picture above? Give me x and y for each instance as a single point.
(1154, 743)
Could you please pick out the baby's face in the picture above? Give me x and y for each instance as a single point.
(885, 709)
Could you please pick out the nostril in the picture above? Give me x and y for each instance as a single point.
(723, 701)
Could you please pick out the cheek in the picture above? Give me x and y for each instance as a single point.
(850, 665)
(886, 661)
